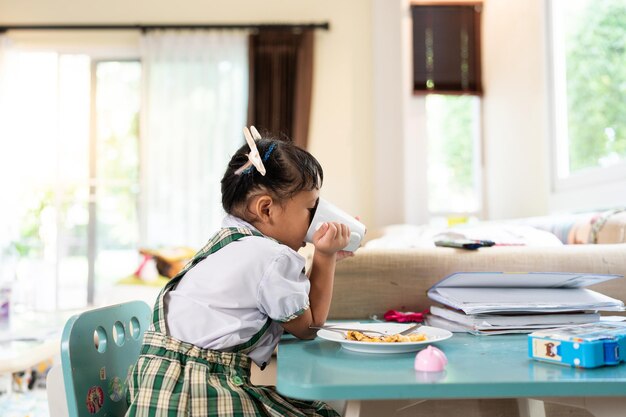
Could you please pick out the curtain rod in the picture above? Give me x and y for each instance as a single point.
(149, 27)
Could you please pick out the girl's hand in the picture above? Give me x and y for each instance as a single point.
(343, 254)
(331, 238)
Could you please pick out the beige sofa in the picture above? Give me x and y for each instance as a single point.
(377, 280)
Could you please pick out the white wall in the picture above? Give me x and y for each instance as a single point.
(388, 119)
(515, 120)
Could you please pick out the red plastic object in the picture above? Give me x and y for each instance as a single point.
(404, 317)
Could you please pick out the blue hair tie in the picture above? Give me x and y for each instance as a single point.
(268, 152)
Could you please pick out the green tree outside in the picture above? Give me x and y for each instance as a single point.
(596, 84)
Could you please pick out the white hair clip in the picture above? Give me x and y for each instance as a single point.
(255, 133)
(253, 157)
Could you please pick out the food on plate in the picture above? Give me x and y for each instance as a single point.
(392, 338)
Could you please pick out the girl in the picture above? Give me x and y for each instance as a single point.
(230, 304)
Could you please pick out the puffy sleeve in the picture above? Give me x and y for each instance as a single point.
(284, 289)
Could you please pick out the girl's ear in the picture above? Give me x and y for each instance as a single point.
(263, 207)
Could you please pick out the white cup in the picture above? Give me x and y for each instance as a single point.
(327, 212)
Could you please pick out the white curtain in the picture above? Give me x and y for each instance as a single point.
(194, 109)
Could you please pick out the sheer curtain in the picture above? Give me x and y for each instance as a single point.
(195, 104)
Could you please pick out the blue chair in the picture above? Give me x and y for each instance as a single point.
(98, 350)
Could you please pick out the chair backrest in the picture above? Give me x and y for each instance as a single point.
(98, 349)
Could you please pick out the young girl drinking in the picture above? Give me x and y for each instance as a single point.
(230, 304)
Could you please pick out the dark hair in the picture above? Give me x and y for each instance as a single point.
(289, 170)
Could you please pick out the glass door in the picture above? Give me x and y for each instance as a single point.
(69, 173)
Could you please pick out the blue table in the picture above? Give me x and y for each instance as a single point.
(479, 367)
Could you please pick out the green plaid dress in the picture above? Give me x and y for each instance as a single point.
(173, 378)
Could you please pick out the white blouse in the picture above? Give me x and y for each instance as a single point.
(227, 298)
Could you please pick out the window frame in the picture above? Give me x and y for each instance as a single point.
(564, 184)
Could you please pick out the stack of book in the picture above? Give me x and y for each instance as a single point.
(499, 302)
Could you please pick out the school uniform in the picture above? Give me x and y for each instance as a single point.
(208, 327)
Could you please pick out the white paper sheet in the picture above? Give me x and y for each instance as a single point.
(493, 321)
(490, 300)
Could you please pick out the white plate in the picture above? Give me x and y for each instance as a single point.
(433, 334)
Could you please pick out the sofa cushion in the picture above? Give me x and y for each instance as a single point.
(609, 228)
(606, 226)
(503, 233)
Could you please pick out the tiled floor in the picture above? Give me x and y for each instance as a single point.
(29, 404)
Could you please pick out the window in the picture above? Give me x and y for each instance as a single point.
(447, 69)
(588, 60)
(72, 183)
(116, 170)
(454, 185)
